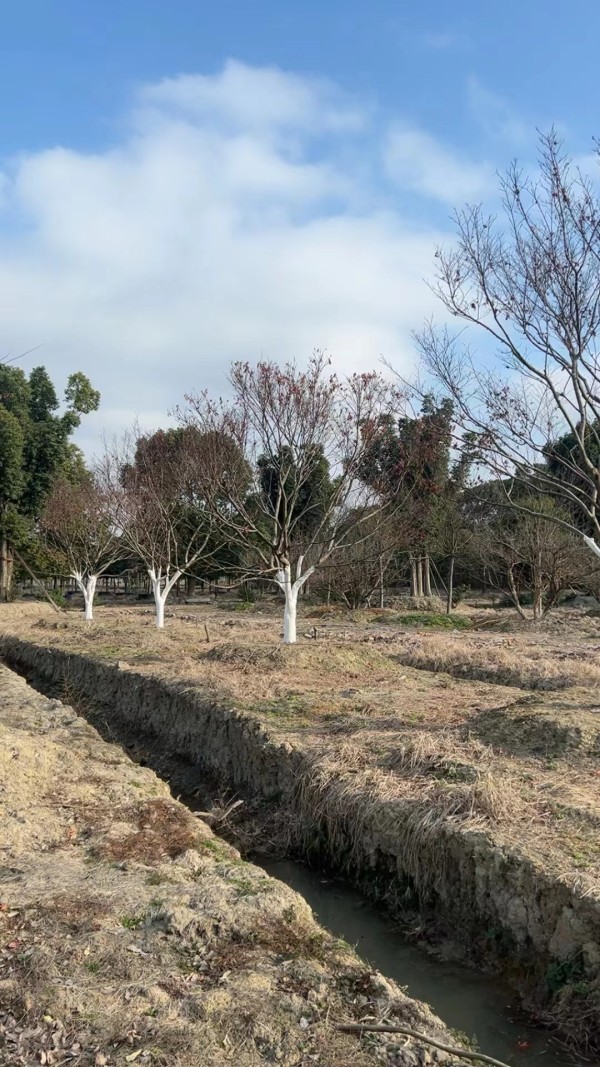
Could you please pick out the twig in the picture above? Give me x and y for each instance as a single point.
(37, 580)
(206, 632)
(364, 1028)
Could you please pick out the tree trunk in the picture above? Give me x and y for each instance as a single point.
(537, 604)
(88, 589)
(190, 585)
(419, 577)
(4, 570)
(290, 591)
(427, 576)
(413, 577)
(160, 592)
(450, 586)
(10, 567)
(381, 583)
(290, 613)
(514, 592)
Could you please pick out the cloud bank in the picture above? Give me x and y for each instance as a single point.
(243, 214)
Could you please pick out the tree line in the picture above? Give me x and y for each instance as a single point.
(483, 468)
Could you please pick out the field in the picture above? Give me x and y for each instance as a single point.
(490, 725)
(481, 724)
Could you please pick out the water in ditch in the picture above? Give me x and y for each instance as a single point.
(466, 1000)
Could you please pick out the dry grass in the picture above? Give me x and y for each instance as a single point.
(512, 663)
(163, 957)
(164, 829)
(455, 748)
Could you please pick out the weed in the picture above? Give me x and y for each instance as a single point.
(156, 878)
(131, 922)
(564, 972)
(430, 620)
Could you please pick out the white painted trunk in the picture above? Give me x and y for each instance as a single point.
(290, 591)
(290, 613)
(88, 597)
(160, 592)
(591, 544)
(88, 589)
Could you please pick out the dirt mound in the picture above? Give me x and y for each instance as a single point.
(266, 657)
(539, 730)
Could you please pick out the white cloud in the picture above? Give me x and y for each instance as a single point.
(495, 115)
(417, 161)
(224, 225)
(255, 99)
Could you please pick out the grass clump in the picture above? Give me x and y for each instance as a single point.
(431, 620)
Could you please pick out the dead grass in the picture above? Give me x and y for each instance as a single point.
(458, 751)
(514, 664)
(164, 828)
(203, 960)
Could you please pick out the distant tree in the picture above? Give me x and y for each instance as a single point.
(78, 529)
(410, 455)
(158, 502)
(34, 447)
(304, 435)
(364, 560)
(528, 552)
(529, 282)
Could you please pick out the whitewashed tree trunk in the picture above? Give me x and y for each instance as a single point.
(591, 544)
(290, 613)
(290, 589)
(88, 589)
(161, 587)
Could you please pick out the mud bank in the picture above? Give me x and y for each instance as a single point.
(536, 926)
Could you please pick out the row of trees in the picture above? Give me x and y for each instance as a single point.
(300, 473)
(269, 484)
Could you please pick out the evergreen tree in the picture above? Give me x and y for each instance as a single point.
(34, 448)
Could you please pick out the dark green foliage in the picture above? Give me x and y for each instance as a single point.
(168, 473)
(297, 490)
(411, 453)
(35, 446)
(11, 457)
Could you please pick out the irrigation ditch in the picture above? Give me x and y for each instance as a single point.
(492, 906)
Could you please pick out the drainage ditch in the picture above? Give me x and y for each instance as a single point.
(212, 744)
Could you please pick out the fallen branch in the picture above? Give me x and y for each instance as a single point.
(36, 580)
(218, 815)
(366, 1028)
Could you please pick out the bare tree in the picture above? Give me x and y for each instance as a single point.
(158, 505)
(79, 531)
(361, 565)
(528, 552)
(530, 282)
(304, 435)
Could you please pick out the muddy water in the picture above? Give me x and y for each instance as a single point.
(478, 1006)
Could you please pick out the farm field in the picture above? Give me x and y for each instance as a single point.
(493, 727)
(470, 751)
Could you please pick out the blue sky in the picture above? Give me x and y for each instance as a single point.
(186, 183)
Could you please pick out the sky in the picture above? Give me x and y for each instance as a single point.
(189, 183)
